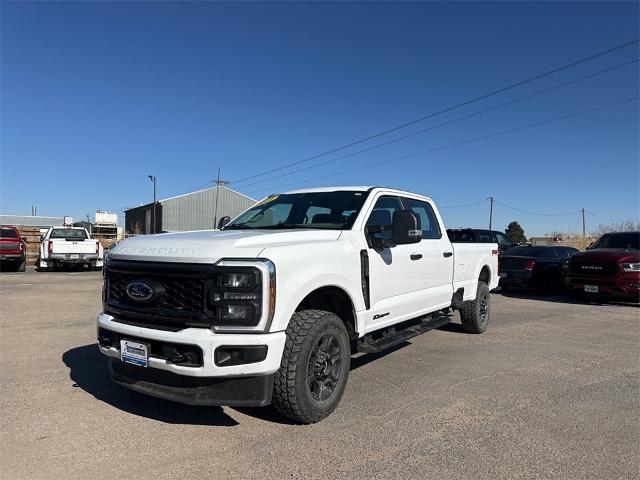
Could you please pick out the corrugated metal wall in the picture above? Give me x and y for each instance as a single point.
(195, 211)
(31, 221)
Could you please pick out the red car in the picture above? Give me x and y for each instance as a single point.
(13, 250)
(610, 268)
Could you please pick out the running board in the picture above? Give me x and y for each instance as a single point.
(396, 334)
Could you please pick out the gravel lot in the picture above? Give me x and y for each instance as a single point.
(550, 391)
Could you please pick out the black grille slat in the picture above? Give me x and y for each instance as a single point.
(181, 294)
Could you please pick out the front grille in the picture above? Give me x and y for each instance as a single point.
(183, 294)
(180, 303)
(592, 269)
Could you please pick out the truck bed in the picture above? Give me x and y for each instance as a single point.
(468, 259)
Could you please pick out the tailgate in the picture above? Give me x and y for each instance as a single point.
(73, 246)
(4, 246)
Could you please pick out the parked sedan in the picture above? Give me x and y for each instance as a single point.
(540, 267)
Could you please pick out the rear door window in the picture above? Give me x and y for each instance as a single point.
(484, 236)
(428, 220)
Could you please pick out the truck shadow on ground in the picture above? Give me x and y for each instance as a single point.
(88, 370)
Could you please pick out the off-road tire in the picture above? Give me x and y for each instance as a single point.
(292, 391)
(475, 314)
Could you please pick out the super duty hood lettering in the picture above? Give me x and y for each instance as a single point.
(153, 251)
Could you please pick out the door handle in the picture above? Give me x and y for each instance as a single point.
(447, 254)
(416, 256)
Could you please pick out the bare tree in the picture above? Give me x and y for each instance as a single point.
(627, 226)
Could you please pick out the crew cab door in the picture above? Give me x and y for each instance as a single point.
(406, 280)
(437, 259)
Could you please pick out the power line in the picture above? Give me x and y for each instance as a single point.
(573, 230)
(483, 202)
(537, 213)
(448, 109)
(463, 142)
(604, 218)
(449, 122)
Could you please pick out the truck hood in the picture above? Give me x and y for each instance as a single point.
(619, 255)
(209, 246)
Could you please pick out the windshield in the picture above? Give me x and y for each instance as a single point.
(315, 210)
(69, 233)
(629, 240)
(8, 233)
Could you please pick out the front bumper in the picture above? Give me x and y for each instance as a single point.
(210, 384)
(252, 391)
(625, 287)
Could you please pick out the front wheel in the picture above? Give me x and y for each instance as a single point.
(315, 366)
(475, 314)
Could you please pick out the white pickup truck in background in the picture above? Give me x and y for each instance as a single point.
(269, 308)
(63, 246)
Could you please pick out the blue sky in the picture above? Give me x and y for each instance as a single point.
(96, 96)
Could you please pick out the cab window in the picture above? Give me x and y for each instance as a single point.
(428, 220)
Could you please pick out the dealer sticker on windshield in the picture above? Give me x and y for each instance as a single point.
(135, 353)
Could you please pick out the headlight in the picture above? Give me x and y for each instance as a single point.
(242, 296)
(631, 267)
(236, 280)
(235, 312)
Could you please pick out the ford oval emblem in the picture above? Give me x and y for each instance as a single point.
(140, 291)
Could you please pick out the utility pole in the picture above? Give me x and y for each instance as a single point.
(490, 212)
(153, 180)
(219, 183)
(584, 228)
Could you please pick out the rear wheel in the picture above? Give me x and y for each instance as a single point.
(315, 366)
(22, 265)
(475, 314)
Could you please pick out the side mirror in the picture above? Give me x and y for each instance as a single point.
(223, 221)
(405, 228)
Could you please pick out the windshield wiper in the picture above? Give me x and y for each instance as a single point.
(237, 226)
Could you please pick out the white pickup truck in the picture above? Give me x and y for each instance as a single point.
(269, 308)
(62, 246)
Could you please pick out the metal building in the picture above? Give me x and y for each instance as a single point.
(31, 221)
(191, 211)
